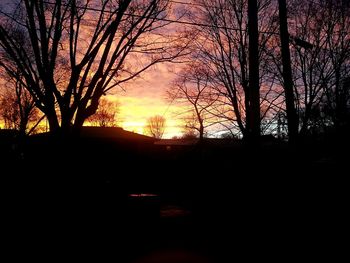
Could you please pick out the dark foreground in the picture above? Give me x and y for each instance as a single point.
(75, 200)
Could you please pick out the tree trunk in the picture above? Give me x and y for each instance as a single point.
(53, 121)
(292, 118)
(340, 101)
(23, 125)
(84, 111)
(66, 121)
(305, 121)
(201, 131)
(253, 113)
(78, 124)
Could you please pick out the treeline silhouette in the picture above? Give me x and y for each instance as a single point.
(287, 77)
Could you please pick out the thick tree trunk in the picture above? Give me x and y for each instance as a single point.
(253, 114)
(66, 121)
(78, 124)
(52, 119)
(292, 118)
(23, 125)
(53, 122)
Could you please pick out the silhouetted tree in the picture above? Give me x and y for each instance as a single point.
(320, 68)
(78, 50)
(253, 92)
(227, 135)
(287, 73)
(105, 115)
(155, 126)
(223, 48)
(337, 89)
(192, 126)
(320, 61)
(17, 107)
(189, 134)
(193, 87)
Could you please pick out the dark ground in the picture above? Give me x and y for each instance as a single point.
(69, 200)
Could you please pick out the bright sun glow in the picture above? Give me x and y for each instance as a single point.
(134, 112)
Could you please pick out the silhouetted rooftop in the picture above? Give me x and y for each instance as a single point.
(176, 142)
(189, 142)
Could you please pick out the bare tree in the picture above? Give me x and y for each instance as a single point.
(337, 91)
(155, 126)
(105, 115)
(17, 107)
(287, 73)
(82, 49)
(191, 126)
(320, 60)
(253, 91)
(189, 133)
(223, 48)
(193, 88)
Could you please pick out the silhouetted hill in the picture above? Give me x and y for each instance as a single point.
(113, 133)
(105, 133)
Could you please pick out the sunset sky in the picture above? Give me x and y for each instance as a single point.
(146, 97)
